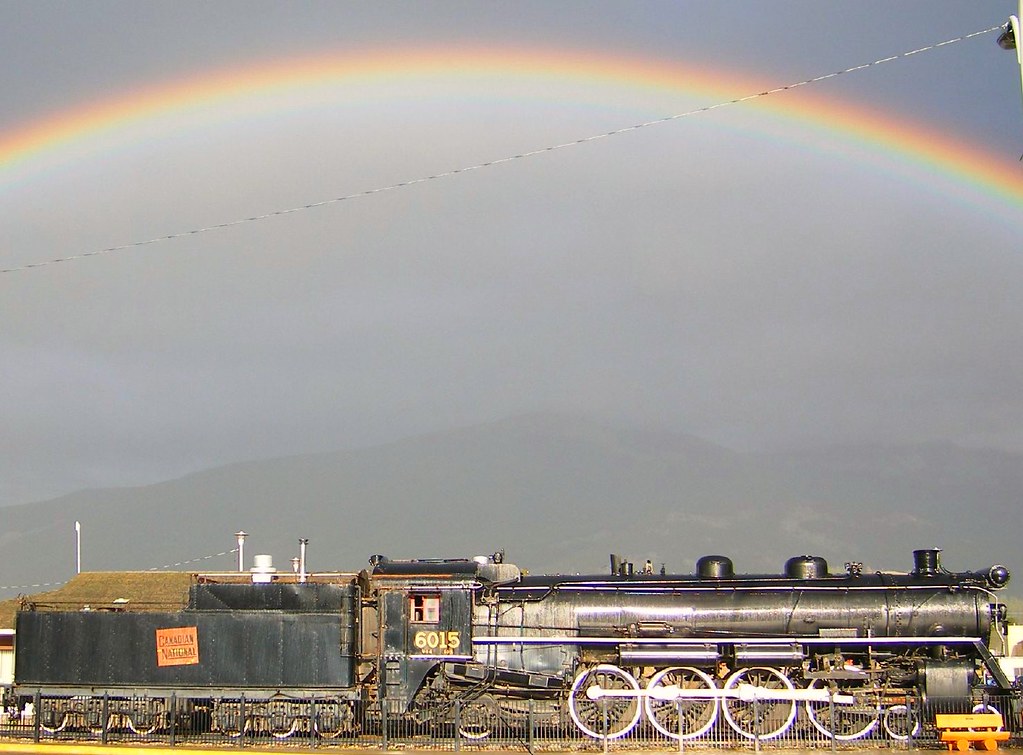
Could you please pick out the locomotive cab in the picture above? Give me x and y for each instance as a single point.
(425, 619)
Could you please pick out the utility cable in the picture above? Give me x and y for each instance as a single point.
(152, 568)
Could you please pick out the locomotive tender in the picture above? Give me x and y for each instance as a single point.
(416, 639)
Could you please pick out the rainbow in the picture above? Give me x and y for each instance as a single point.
(907, 145)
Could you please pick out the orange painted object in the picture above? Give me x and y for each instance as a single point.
(960, 730)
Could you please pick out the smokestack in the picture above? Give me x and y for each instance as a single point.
(302, 542)
(927, 562)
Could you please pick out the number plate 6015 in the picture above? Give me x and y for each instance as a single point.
(439, 642)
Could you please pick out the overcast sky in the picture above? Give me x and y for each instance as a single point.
(756, 279)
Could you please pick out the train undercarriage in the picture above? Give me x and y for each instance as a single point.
(834, 693)
(602, 700)
(326, 718)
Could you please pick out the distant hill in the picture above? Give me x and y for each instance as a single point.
(557, 493)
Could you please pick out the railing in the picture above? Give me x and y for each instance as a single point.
(619, 723)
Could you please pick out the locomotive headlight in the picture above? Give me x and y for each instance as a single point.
(998, 576)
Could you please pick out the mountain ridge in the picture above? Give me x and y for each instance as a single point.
(556, 492)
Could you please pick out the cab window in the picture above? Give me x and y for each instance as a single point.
(424, 609)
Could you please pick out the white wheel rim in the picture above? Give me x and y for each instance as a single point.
(735, 679)
(55, 729)
(141, 730)
(899, 714)
(284, 734)
(579, 689)
(476, 731)
(652, 707)
(985, 708)
(812, 709)
(331, 732)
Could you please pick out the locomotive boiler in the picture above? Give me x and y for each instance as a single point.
(420, 639)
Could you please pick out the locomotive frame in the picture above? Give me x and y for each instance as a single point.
(471, 642)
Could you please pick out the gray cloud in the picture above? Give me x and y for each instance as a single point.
(746, 280)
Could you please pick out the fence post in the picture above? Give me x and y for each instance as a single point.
(678, 712)
(529, 731)
(603, 705)
(314, 724)
(457, 725)
(910, 725)
(241, 721)
(756, 723)
(384, 723)
(172, 717)
(831, 715)
(38, 705)
(104, 718)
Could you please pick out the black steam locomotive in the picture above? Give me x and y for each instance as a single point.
(415, 639)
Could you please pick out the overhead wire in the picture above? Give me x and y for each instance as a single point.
(151, 568)
(503, 160)
(193, 560)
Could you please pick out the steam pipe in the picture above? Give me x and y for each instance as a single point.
(241, 535)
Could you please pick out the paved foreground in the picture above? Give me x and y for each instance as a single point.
(66, 748)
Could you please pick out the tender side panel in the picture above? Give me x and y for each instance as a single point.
(185, 649)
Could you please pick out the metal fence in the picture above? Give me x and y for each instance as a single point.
(487, 722)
